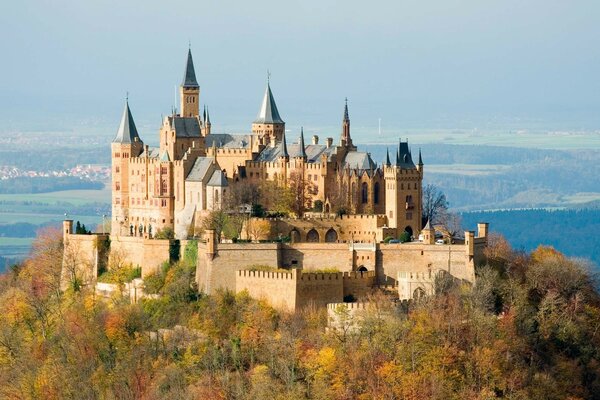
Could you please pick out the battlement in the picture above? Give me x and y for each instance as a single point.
(245, 273)
(320, 276)
(359, 275)
(350, 306)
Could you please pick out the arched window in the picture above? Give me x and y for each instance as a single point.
(376, 193)
(312, 236)
(365, 193)
(331, 236)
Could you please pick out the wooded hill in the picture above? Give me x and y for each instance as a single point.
(528, 329)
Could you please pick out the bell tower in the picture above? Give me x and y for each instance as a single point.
(189, 91)
(268, 124)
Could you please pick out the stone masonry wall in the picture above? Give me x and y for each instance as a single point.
(278, 288)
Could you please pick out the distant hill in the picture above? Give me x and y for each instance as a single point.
(573, 232)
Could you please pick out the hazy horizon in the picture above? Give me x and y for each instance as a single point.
(440, 65)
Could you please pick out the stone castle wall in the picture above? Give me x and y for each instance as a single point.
(279, 288)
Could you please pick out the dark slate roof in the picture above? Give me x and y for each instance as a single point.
(313, 152)
(404, 156)
(189, 77)
(225, 140)
(153, 152)
(359, 160)
(218, 179)
(268, 113)
(186, 126)
(301, 147)
(200, 169)
(127, 131)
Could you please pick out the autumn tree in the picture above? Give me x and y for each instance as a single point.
(434, 204)
(301, 191)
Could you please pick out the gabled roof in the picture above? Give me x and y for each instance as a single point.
(153, 152)
(218, 179)
(127, 131)
(225, 140)
(189, 77)
(359, 160)
(200, 169)
(268, 113)
(185, 126)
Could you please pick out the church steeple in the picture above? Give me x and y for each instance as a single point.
(283, 151)
(189, 77)
(387, 157)
(346, 140)
(189, 91)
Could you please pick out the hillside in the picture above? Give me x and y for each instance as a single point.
(527, 329)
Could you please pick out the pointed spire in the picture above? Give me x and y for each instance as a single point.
(207, 117)
(346, 116)
(283, 147)
(127, 131)
(302, 152)
(387, 157)
(420, 158)
(427, 226)
(189, 77)
(268, 113)
(204, 115)
(397, 156)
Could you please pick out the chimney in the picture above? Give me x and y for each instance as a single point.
(315, 139)
(329, 142)
(272, 141)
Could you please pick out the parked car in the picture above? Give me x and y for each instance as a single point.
(439, 241)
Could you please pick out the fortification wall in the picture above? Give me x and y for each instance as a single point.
(312, 256)
(358, 284)
(319, 289)
(278, 288)
(83, 256)
(421, 258)
(148, 254)
(220, 271)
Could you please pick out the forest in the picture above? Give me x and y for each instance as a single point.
(527, 329)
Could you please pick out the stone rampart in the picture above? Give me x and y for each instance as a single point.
(358, 284)
(278, 288)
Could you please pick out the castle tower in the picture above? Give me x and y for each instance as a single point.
(268, 124)
(403, 191)
(189, 91)
(125, 145)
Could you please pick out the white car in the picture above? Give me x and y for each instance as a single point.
(439, 241)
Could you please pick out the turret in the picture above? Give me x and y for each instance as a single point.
(268, 123)
(301, 150)
(428, 234)
(125, 145)
(189, 91)
(207, 124)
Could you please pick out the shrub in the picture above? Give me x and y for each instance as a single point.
(165, 233)
(387, 239)
(404, 237)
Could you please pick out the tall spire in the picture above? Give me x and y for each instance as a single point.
(204, 115)
(189, 77)
(346, 116)
(346, 140)
(420, 158)
(207, 117)
(302, 152)
(268, 113)
(387, 157)
(283, 147)
(127, 131)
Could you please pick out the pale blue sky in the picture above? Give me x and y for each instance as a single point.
(415, 64)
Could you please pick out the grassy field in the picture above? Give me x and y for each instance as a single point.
(76, 197)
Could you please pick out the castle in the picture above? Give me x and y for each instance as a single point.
(174, 186)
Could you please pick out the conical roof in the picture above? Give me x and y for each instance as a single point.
(427, 226)
(189, 77)
(268, 113)
(387, 157)
(127, 131)
(283, 147)
(302, 151)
